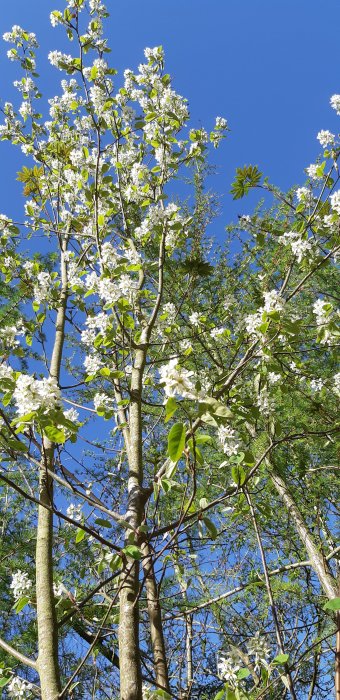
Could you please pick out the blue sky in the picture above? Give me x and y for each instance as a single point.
(268, 66)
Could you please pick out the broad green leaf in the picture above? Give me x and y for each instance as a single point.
(333, 604)
(21, 603)
(103, 523)
(281, 658)
(80, 535)
(212, 529)
(170, 408)
(176, 441)
(243, 673)
(54, 434)
(132, 551)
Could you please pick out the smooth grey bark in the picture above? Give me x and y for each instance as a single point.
(279, 636)
(47, 661)
(155, 618)
(129, 656)
(318, 562)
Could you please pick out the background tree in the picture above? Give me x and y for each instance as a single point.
(167, 406)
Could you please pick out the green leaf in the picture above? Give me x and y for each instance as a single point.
(104, 371)
(247, 177)
(54, 434)
(333, 604)
(132, 551)
(239, 475)
(94, 71)
(176, 441)
(80, 535)
(243, 673)
(4, 681)
(21, 603)
(170, 408)
(281, 658)
(212, 529)
(16, 445)
(103, 523)
(220, 695)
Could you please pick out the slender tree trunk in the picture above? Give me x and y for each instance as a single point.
(155, 617)
(188, 643)
(318, 563)
(129, 656)
(47, 662)
(337, 658)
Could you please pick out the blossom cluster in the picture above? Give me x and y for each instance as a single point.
(273, 301)
(300, 246)
(177, 381)
(228, 439)
(32, 395)
(326, 321)
(229, 665)
(20, 584)
(19, 688)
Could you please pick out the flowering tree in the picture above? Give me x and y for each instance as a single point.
(166, 405)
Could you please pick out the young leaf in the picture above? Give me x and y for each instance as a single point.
(176, 441)
(333, 604)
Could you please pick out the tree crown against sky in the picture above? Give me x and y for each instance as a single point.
(168, 423)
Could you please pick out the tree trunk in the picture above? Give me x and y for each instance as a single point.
(337, 658)
(129, 656)
(318, 563)
(47, 662)
(155, 617)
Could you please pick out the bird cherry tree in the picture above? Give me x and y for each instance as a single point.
(165, 404)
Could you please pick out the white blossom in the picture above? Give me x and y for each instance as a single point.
(20, 584)
(42, 288)
(325, 138)
(194, 318)
(102, 401)
(217, 332)
(227, 668)
(252, 323)
(6, 372)
(228, 439)
(299, 245)
(16, 36)
(312, 172)
(19, 688)
(177, 380)
(336, 387)
(92, 364)
(335, 103)
(335, 201)
(58, 589)
(75, 512)
(8, 335)
(221, 123)
(259, 649)
(72, 414)
(316, 384)
(36, 394)
(264, 402)
(273, 301)
(303, 194)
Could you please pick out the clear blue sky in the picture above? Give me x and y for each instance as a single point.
(268, 66)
